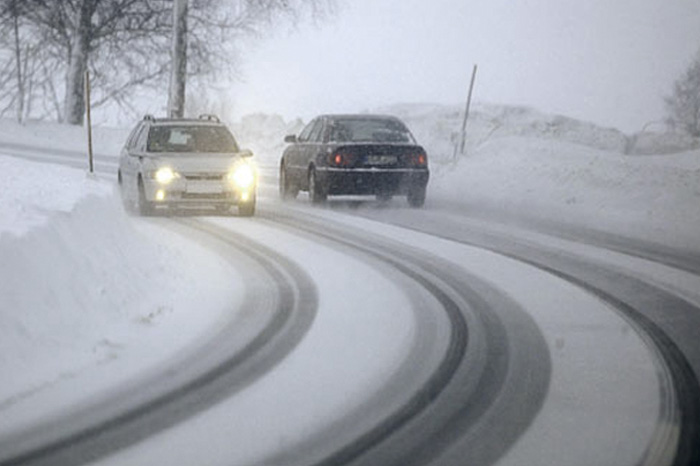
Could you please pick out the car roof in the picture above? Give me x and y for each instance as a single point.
(206, 119)
(184, 121)
(359, 116)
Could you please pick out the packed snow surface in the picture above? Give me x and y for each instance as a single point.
(83, 285)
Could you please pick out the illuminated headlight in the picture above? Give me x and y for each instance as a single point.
(165, 175)
(243, 176)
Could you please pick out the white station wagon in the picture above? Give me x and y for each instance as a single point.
(168, 165)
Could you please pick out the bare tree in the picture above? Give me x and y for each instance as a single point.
(215, 27)
(178, 62)
(683, 104)
(115, 38)
(13, 83)
(125, 44)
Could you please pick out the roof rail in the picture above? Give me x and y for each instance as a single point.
(149, 117)
(209, 117)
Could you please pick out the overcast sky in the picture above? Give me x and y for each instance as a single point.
(606, 61)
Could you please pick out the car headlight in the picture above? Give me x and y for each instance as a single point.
(165, 175)
(243, 176)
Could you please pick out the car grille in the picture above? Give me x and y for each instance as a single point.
(207, 196)
(204, 176)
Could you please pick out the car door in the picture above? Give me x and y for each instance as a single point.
(295, 156)
(125, 168)
(135, 150)
(314, 147)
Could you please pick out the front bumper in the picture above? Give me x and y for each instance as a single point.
(197, 192)
(369, 181)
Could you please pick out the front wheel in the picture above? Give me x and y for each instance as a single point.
(126, 202)
(416, 196)
(288, 190)
(144, 207)
(247, 209)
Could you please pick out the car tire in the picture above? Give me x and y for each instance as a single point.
(126, 202)
(316, 192)
(144, 207)
(416, 196)
(246, 209)
(224, 210)
(288, 190)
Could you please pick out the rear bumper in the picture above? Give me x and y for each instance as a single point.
(371, 180)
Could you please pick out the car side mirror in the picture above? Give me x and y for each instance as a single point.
(246, 153)
(291, 139)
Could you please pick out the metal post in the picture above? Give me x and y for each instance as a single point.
(466, 113)
(89, 121)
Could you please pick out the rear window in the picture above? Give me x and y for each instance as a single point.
(209, 139)
(369, 130)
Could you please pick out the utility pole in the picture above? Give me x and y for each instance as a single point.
(89, 121)
(463, 138)
(178, 72)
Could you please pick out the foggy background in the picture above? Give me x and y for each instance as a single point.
(606, 62)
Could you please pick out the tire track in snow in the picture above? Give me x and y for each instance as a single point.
(489, 370)
(194, 381)
(668, 323)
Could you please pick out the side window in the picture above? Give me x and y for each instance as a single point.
(131, 140)
(315, 135)
(140, 139)
(304, 135)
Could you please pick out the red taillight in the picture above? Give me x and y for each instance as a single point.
(418, 159)
(341, 159)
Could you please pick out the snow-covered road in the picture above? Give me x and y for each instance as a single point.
(359, 333)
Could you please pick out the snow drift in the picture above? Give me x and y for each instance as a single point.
(81, 285)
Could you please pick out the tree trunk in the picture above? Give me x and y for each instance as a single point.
(74, 102)
(178, 72)
(20, 77)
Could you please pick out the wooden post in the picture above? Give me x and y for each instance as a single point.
(89, 120)
(463, 139)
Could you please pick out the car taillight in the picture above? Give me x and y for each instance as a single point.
(418, 159)
(341, 159)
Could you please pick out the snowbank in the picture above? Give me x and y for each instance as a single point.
(656, 198)
(81, 286)
(526, 164)
(106, 141)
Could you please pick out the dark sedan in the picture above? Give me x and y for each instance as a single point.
(354, 155)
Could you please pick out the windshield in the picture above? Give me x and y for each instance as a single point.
(369, 130)
(210, 139)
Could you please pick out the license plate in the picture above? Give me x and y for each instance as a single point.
(204, 187)
(381, 160)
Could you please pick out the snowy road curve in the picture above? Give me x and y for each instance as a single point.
(665, 321)
(512, 346)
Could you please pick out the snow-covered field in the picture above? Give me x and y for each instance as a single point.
(522, 163)
(66, 244)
